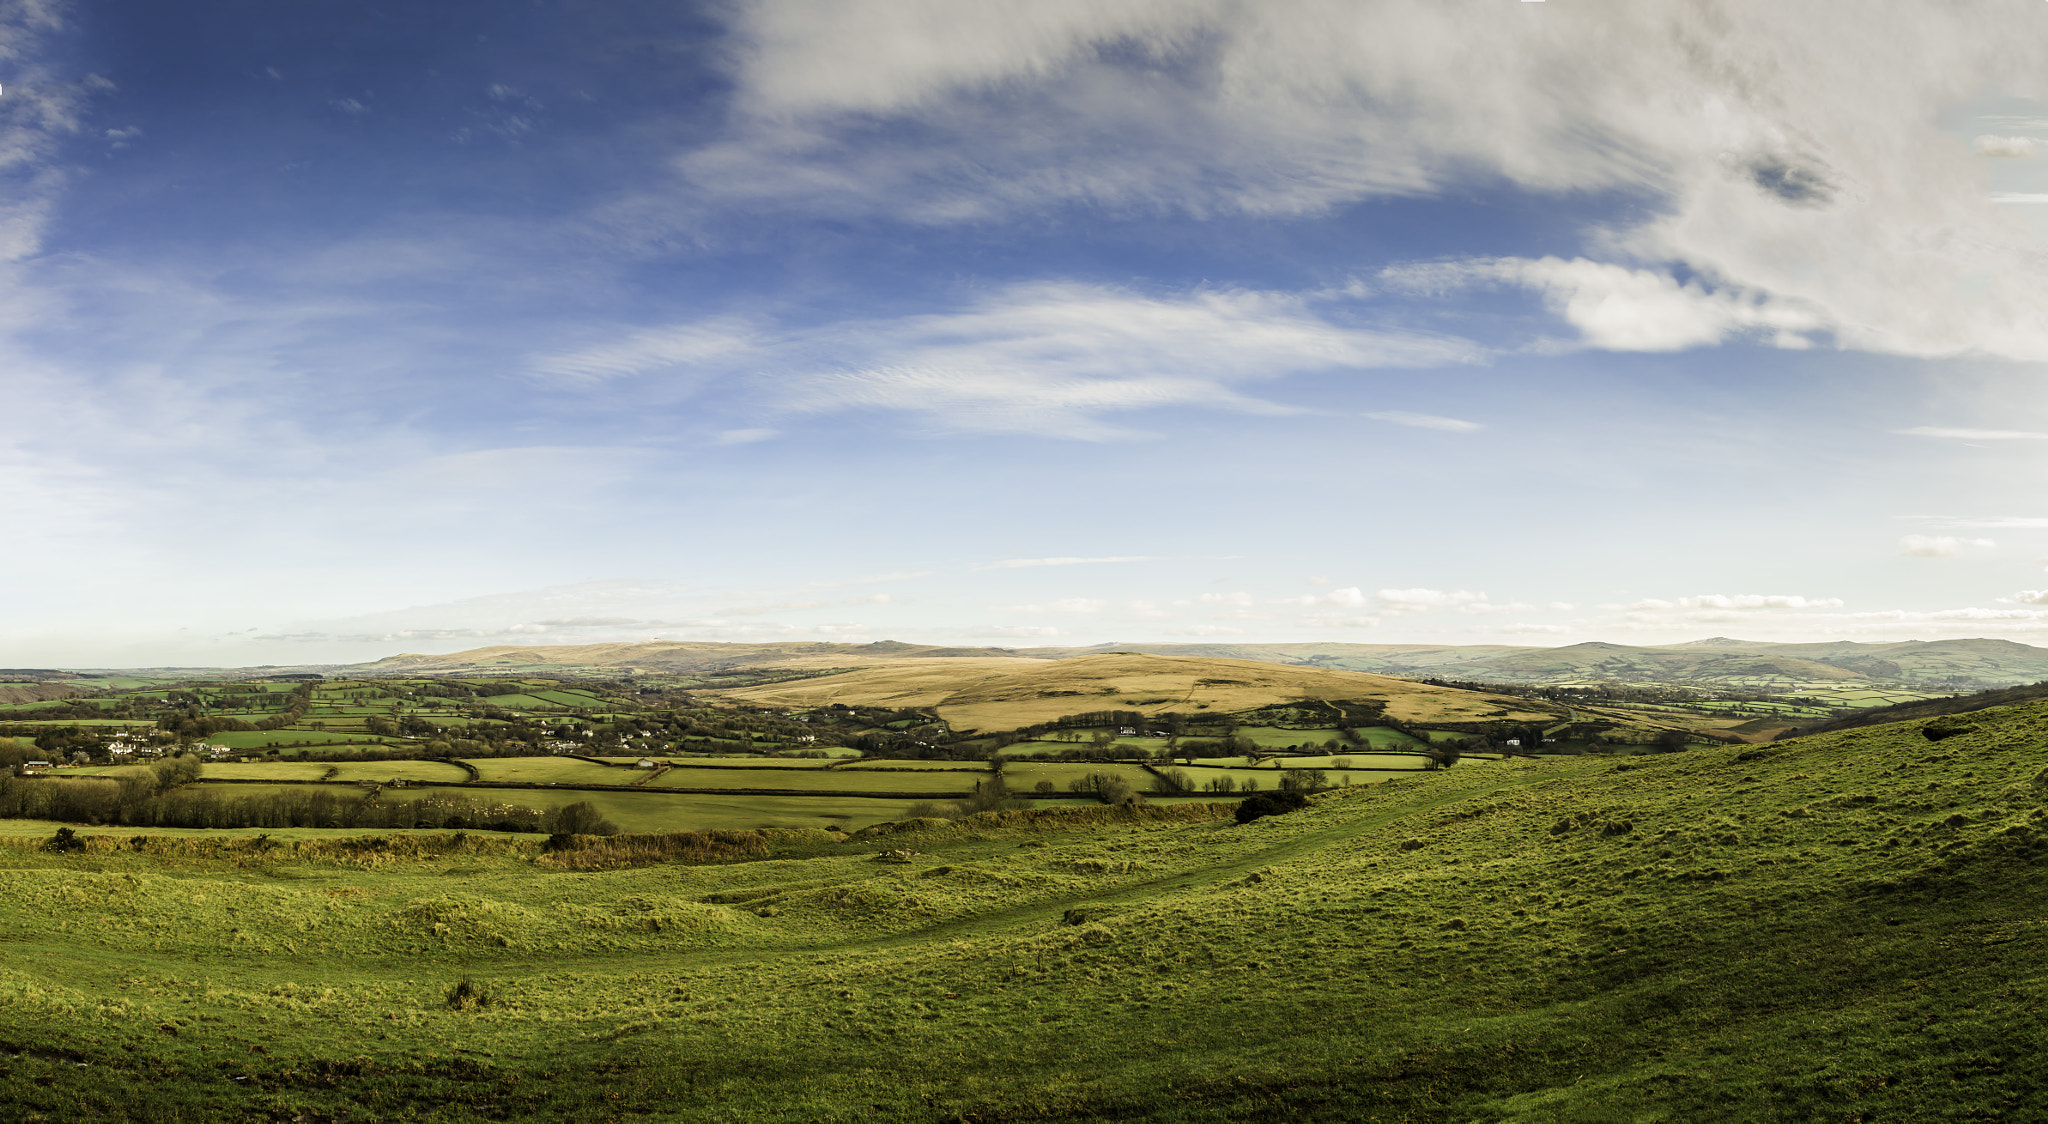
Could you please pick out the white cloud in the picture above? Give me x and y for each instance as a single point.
(669, 349)
(1750, 602)
(1939, 546)
(2029, 597)
(745, 436)
(1349, 598)
(2016, 147)
(1796, 171)
(350, 106)
(2020, 522)
(1427, 600)
(1974, 434)
(1425, 421)
(1019, 563)
(1049, 358)
(1622, 309)
(1023, 631)
(1064, 605)
(1044, 357)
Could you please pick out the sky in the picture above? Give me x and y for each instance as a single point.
(331, 331)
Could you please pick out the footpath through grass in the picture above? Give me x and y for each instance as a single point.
(1845, 928)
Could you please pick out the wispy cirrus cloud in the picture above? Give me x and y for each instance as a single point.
(1047, 357)
(1024, 563)
(1425, 421)
(1941, 546)
(1973, 434)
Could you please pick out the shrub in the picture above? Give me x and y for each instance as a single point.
(1947, 726)
(468, 994)
(64, 840)
(1269, 804)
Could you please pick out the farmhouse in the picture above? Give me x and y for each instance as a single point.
(644, 763)
(35, 764)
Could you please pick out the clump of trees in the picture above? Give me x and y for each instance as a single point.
(1270, 804)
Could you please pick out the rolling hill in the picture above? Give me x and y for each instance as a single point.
(1004, 694)
(1847, 927)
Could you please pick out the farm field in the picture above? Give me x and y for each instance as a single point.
(1020, 777)
(260, 739)
(655, 810)
(552, 770)
(1581, 939)
(342, 771)
(922, 783)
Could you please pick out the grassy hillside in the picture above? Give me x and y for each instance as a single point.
(1006, 694)
(1846, 928)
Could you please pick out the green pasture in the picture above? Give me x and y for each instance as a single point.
(259, 739)
(553, 770)
(521, 701)
(45, 704)
(580, 699)
(1022, 776)
(342, 771)
(743, 761)
(909, 781)
(655, 810)
(1327, 762)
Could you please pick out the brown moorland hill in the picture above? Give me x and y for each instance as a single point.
(672, 656)
(1006, 693)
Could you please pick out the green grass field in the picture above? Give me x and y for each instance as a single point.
(342, 771)
(1839, 928)
(259, 739)
(921, 782)
(661, 811)
(1022, 776)
(553, 770)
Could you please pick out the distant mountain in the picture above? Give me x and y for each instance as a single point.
(1718, 662)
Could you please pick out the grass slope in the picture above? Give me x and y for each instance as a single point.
(1846, 927)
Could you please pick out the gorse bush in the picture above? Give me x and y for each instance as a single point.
(1270, 804)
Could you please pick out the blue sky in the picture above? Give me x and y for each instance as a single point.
(328, 332)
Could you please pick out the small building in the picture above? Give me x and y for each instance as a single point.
(1126, 731)
(35, 764)
(644, 763)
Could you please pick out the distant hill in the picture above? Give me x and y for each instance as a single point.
(1716, 662)
(1713, 663)
(1004, 694)
(36, 692)
(660, 656)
